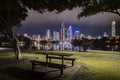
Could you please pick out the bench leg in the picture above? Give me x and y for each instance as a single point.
(72, 62)
(33, 65)
(61, 73)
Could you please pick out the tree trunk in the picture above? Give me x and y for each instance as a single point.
(7, 31)
(16, 48)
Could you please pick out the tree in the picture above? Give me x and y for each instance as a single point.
(91, 7)
(77, 42)
(11, 15)
(54, 43)
(82, 43)
(43, 43)
(25, 42)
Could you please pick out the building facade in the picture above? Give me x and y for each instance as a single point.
(113, 32)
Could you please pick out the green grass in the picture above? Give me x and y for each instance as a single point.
(100, 65)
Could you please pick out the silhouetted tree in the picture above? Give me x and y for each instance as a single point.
(11, 15)
(43, 43)
(55, 42)
(91, 7)
(88, 7)
(26, 42)
(77, 42)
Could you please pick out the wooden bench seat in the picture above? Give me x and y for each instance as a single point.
(45, 64)
(55, 57)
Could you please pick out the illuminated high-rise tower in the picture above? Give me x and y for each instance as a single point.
(77, 34)
(63, 36)
(69, 37)
(56, 36)
(62, 32)
(48, 34)
(70, 33)
(113, 34)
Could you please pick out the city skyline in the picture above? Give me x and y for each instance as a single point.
(69, 29)
(63, 40)
(66, 34)
(95, 25)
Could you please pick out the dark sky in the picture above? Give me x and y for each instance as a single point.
(37, 23)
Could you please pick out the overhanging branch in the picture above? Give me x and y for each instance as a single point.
(113, 11)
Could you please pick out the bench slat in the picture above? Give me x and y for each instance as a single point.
(54, 57)
(53, 65)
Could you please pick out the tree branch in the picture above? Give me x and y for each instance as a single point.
(114, 11)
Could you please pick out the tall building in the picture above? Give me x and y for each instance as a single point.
(113, 33)
(56, 35)
(77, 34)
(69, 33)
(36, 40)
(62, 36)
(62, 32)
(69, 37)
(48, 34)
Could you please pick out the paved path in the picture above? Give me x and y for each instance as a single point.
(70, 73)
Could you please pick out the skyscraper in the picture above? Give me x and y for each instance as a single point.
(113, 33)
(77, 34)
(69, 37)
(69, 33)
(48, 34)
(62, 36)
(56, 35)
(62, 32)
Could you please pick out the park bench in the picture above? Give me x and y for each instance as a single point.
(46, 64)
(56, 57)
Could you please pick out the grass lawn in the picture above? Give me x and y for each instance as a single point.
(100, 65)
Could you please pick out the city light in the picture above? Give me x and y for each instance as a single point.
(77, 31)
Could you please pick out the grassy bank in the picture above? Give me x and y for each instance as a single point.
(99, 65)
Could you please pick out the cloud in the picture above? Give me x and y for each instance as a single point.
(66, 16)
(69, 16)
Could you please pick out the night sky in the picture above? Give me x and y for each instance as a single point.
(37, 23)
